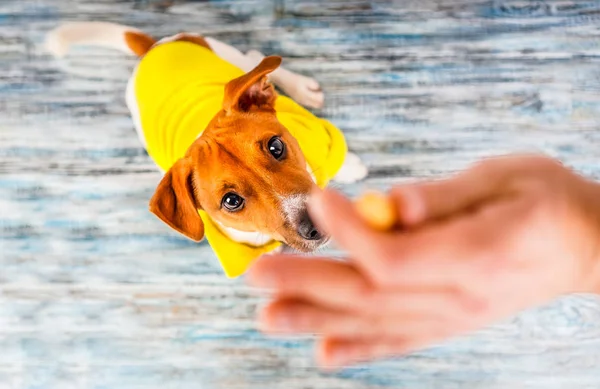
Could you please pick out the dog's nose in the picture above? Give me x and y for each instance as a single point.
(307, 230)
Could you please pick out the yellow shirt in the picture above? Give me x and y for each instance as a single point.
(179, 88)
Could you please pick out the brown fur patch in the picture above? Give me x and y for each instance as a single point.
(139, 43)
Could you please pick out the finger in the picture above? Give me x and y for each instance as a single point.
(320, 280)
(420, 202)
(336, 353)
(431, 256)
(451, 252)
(336, 215)
(339, 286)
(299, 317)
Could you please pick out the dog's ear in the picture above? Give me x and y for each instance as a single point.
(253, 88)
(174, 201)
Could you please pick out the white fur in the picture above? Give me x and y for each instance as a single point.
(248, 237)
(312, 175)
(110, 35)
(133, 107)
(173, 38)
(293, 206)
(352, 170)
(277, 249)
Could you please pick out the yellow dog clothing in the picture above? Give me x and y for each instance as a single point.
(179, 88)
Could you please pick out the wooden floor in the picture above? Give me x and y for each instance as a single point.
(96, 293)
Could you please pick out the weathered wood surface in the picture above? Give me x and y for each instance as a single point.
(96, 293)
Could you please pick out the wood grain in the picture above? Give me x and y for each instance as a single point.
(96, 293)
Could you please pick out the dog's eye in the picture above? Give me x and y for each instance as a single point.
(277, 148)
(232, 202)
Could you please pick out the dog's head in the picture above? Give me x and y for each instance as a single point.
(246, 171)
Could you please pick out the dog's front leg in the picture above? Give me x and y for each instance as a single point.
(352, 170)
(304, 90)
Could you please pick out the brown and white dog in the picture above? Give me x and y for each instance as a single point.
(220, 174)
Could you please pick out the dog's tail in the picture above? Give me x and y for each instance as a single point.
(123, 38)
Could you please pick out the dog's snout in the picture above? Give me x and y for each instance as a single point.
(307, 229)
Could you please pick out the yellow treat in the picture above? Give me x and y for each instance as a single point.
(378, 210)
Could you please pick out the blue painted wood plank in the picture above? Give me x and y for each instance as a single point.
(96, 293)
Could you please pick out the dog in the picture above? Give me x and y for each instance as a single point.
(239, 160)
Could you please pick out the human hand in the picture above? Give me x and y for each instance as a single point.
(508, 234)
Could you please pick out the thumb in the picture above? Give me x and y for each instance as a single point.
(336, 215)
(434, 199)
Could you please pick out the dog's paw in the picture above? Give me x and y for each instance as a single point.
(305, 91)
(55, 43)
(353, 170)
